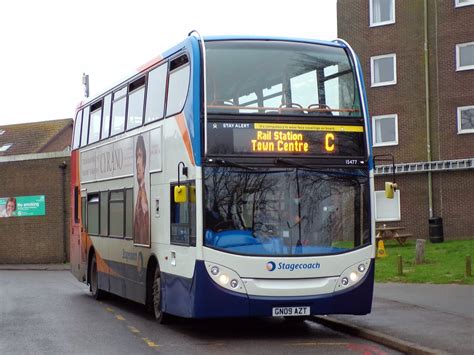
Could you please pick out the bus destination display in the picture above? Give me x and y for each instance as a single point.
(229, 138)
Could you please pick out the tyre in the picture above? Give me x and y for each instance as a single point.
(96, 292)
(160, 316)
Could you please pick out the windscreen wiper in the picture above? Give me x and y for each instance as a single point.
(224, 162)
(291, 163)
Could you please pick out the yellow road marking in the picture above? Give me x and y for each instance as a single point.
(119, 317)
(150, 343)
(133, 329)
(108, 309)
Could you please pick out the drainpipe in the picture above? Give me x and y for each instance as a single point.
(63, 167)
(427, 104)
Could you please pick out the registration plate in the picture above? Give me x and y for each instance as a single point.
(290, 311)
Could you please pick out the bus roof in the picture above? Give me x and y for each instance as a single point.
(186, 42)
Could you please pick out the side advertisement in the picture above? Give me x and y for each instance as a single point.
(22, 206)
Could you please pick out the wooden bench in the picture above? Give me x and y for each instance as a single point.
(402, 238)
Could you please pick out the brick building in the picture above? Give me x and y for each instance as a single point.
(34, 170)
(422, 105)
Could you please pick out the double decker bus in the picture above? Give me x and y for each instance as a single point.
(230, 177)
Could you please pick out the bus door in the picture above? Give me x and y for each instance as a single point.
(183, 228)
(77, 257)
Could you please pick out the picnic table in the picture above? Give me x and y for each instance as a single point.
(392, 233)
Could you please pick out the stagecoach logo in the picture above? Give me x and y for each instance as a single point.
(292, 266)
(271, 266)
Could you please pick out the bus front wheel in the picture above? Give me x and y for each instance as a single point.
(96, 292)
(160, 316)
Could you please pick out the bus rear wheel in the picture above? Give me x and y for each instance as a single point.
(160, 316)
(96, 292)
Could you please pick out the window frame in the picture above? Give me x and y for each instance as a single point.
(458, 116)
(86, 113)
(109, 202)
(383, 23)
(99, 103)
(123, 97)
(389, 143)
(131, 92)
(372, 71)
(104, 117)
(396, 197)
(165, 96)
(89, 197)
(77, 122)
(191, 238)
(460, 4)
(458, 57)
(168, 76)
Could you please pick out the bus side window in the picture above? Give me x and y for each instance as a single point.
(76, 204)
(178, 85)
(85, 126)
(155, 96)
(77, 130)
(183, 218)
(106, 117)
(83, 215)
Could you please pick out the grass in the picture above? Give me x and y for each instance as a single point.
(445, 263)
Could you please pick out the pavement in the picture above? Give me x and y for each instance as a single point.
(415, 318)
(411, 318)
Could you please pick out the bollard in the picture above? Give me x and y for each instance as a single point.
(420, 251)
(468, 266)
(400, 265)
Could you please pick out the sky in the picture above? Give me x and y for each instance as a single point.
(46, 46)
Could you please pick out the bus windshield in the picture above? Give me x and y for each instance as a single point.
(286, 211)
(280, 78)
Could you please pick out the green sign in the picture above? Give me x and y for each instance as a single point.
(22, 206)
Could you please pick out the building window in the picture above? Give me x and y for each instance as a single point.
(466, 119)
(383, 69)
(465, 56)
(460, 3)
(387, 209)
(382, 12)
(385, 130)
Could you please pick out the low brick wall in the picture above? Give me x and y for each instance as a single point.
(39, 239)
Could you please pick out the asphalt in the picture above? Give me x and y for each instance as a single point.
(411, 318)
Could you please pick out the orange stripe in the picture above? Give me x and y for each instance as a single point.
(150, 63)
(181, 120)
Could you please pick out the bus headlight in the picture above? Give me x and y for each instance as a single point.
(352, 275)
(225, 277)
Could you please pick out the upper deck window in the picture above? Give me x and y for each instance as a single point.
(136, 99)
(85, 126)
(106, 117)
(280, 78)
(155, 98)
(118, 111)
(96, 116)
(178, 85)
(77, 130)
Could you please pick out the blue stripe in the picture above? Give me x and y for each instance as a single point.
(201, 297)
